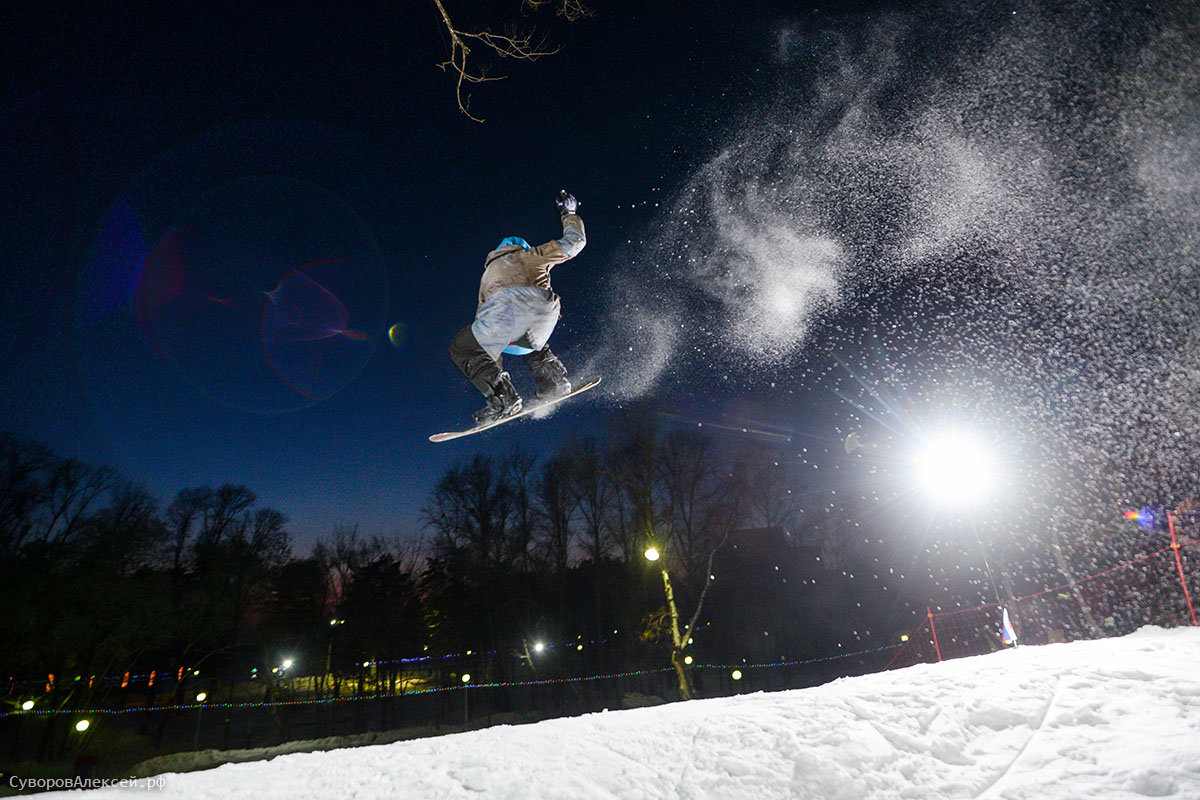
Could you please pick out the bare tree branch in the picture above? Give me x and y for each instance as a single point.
(523, 46)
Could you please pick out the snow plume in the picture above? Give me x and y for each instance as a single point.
(642, 336)
(1015, 187)
(768, 270)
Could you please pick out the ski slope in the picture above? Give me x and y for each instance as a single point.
(1117, 718)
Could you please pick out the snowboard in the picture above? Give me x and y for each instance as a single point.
(533, 406)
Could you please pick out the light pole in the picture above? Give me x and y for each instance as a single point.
(200, 698)
(333, 624)
(466, 682)
(1149, 519)
(1171, 516)
(957, 470)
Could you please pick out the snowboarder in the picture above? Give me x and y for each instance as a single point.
(516, 314)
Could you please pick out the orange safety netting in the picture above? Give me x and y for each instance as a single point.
(1155, 589)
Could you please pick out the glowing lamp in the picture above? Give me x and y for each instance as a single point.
(201, 697)
(27, 705)
(82, 725)
(737, 675)
(466, 678)
(652, 554)
(904, 637)
(955, 469)
(538, 647)
(687, 660)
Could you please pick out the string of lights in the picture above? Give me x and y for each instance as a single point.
(800, 662)
(128, 678)
(34, 712)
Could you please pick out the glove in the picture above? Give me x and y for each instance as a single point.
(567, 204)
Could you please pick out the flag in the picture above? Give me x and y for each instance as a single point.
(1007, 633)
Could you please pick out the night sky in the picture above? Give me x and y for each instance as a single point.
(813, 221)
(120, 120)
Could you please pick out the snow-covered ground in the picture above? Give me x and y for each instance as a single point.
(1118, 718)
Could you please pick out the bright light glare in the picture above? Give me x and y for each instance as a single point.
(538, 647)
(287, 663)
(956, 469)
(651, 554)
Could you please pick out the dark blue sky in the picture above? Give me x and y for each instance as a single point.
(874, 218)
(119, 121)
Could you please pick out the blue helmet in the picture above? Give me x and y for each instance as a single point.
(505, 242)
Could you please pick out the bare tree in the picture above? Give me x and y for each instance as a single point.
(699, 495)
(557, 502)
(184, 518)
(681, 635)
(519, 476)
(23, 466)
(770, 487)
(595, 495)
(70, 494)
(683, 505)
(470, 510)
(513, 43)
(632, 467)
(45, 499)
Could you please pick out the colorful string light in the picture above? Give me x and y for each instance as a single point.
(129, 678)
(429, 690)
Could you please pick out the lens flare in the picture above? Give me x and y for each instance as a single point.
(267, 295)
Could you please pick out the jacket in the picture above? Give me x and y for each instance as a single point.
(513, 265)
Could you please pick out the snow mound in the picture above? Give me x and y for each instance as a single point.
(1116, 718)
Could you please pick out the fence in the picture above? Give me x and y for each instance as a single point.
(1155, 589)
(122, 735)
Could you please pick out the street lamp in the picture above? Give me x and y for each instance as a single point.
(955, 468)
(466, 682)
(200, 698)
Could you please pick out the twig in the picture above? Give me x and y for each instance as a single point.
(513, 44)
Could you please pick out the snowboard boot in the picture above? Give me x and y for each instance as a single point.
(503, 401)
(549, 375)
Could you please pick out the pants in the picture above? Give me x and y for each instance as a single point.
(483, 371)
(524, 314)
